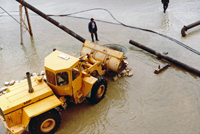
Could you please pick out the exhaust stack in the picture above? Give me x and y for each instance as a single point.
(29, 82)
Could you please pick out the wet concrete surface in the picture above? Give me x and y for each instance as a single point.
(145, 103)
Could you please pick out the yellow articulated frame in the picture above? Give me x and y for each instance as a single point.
(17, 121)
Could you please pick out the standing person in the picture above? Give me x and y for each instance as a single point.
(165, 4)
(93, 29)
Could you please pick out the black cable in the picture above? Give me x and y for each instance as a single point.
(11, 16)
(138, 28)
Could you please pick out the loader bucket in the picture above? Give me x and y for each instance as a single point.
(111, 59)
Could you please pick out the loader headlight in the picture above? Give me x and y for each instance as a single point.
(1, 113)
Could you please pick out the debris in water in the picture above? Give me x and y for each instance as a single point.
(165, 53)
(129, 74)
(12, 82)
(161, 68)
(115, 77)
(126, 62)
(34, 74)
(6, 83)
(126, 72)
(123, 73)
(3, 89)
(42, 73)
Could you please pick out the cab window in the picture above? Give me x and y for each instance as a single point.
(50, 77)
(62, 78)
(75, 73)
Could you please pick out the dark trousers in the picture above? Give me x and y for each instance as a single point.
(165, 5)
(92, 35)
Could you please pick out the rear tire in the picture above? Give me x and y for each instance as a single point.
(46, 123)
(98, 90)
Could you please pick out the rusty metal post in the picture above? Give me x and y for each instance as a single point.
(52, 20)
(29, 24)
(21, 23)
(172, 60)
(185, 28)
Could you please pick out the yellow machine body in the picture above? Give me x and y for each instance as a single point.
(18, 106)
(75, 84)
(67, 76)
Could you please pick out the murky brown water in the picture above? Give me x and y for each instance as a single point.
(145, 103)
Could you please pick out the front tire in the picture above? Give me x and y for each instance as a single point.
(98, 90)
(46, 123)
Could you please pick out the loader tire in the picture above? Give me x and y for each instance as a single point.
(98, 90)
(46, 123)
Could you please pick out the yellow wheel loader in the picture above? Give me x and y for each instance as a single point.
(34, 104)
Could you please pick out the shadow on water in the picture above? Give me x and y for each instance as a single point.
(165, 23)
(33, 60)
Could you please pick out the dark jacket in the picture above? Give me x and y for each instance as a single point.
(165, 1)
(90, 27)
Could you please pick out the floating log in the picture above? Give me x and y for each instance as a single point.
(172, 60)
(185, 28)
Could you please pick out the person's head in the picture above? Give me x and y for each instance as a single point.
(91, 19)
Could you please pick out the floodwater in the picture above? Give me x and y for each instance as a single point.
(146, 103)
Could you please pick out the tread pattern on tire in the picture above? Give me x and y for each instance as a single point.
(93, 99)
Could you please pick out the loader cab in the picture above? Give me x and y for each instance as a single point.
(63, 73)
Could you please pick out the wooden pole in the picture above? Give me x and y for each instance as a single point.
(21, 23)
(29, 24)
